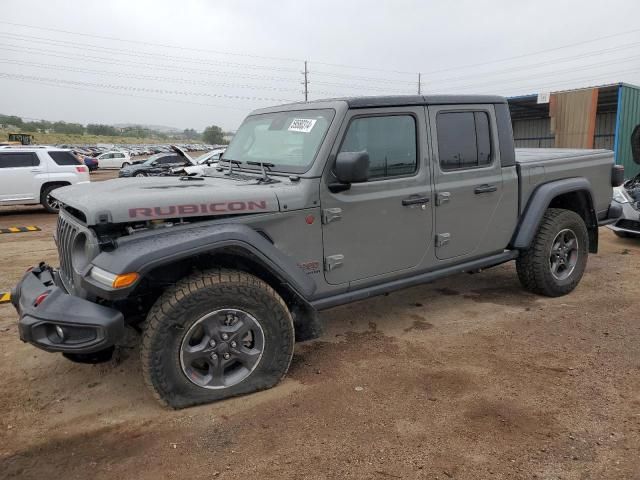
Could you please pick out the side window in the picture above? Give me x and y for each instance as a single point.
(64, 158)
(17, 160)
(464, 140)
(390, 142)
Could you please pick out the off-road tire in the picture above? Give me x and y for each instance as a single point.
(533, 264)
(44, 199)
(180, 306)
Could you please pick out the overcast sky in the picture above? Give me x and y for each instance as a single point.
(193, 63)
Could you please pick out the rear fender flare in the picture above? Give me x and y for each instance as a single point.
(539, 202)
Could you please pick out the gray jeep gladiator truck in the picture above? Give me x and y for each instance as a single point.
(313, 205)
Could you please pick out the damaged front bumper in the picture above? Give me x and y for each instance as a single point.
(55, 321)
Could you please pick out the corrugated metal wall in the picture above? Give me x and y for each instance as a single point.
(628, 118)
(533, 133)
(536, 133)
(605, 131)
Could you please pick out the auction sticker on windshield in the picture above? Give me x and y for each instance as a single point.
(303, 125)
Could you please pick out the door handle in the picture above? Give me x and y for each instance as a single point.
(415, 201)
(485, 189)
(36, 170)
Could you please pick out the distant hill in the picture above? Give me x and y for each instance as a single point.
(159, 128)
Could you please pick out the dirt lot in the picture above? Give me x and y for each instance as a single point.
(467, 378)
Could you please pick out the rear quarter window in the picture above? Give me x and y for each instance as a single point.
(18, 159)
(64, 158)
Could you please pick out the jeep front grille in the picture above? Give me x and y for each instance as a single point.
(66, 233)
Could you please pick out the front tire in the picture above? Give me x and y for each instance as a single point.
(140, 174)
(556, 259)
(214, 335)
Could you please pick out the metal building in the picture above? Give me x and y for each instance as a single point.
(595, 117)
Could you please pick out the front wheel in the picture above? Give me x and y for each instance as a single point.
(555, 261)
(140, 174)
(125, 164)
(214, 335)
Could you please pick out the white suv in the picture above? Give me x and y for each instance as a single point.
(114, 159)
(29, 175)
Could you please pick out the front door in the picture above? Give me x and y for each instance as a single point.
(468, 180)
(384, 225)
(20, 174)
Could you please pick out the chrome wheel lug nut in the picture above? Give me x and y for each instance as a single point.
(234, 344)
(212, 343)
(226, 356)
(213, 356)
(225, 336)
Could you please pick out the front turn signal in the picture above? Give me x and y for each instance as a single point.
(125, 280)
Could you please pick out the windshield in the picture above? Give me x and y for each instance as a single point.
(289, 140)
(153, 158)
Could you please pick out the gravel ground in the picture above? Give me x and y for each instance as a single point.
(466, 378)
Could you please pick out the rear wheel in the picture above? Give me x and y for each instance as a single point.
(49, 203)
(125, 164)
(555, 262)
(214, 335)
(140, 174)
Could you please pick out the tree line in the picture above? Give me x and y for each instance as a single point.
(212, 134)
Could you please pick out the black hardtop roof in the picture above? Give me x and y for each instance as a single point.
(406, 100)
(390, 101)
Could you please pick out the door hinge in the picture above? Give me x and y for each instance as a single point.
(332, 262)
(442, 197)
(442, 239)
(331, 215)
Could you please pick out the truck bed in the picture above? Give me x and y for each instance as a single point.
(526, 155)
(536, 166)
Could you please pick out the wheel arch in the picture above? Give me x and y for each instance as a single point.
(163, 258)
(47, 184)
(574, 194)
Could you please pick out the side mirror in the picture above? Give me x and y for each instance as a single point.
(352, 167)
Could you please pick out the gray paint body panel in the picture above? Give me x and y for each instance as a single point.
(384, 244)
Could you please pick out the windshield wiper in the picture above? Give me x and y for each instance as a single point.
(265, 177)
(231, 163)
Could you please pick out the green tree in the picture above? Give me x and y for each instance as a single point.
(191, 134)
(213, 135)
(97, 129)
(10, 120)
(71, 128)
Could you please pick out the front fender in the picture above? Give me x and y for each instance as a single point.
(143, 252)
(539, 202)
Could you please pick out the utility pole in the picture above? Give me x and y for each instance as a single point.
(419, 83)
(306, 82)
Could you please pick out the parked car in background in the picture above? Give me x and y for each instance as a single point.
(628, 197)
(91, 163)
(202, 164)
(155, 165)
(29, 175)
(114, 159)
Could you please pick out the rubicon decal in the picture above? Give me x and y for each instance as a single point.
(217, 208)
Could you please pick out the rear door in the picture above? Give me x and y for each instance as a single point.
(468, 180)
(382, 226)
(20, 176)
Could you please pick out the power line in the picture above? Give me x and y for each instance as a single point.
(111, 61)
(142, 76)
(542, 64)
(119, 51)
(561, 47)
(169, 100)
(139, 89)
(140, 42)
(555, 72)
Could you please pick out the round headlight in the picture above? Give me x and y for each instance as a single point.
(80, 253)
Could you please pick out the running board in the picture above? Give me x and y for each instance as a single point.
(375, 290)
